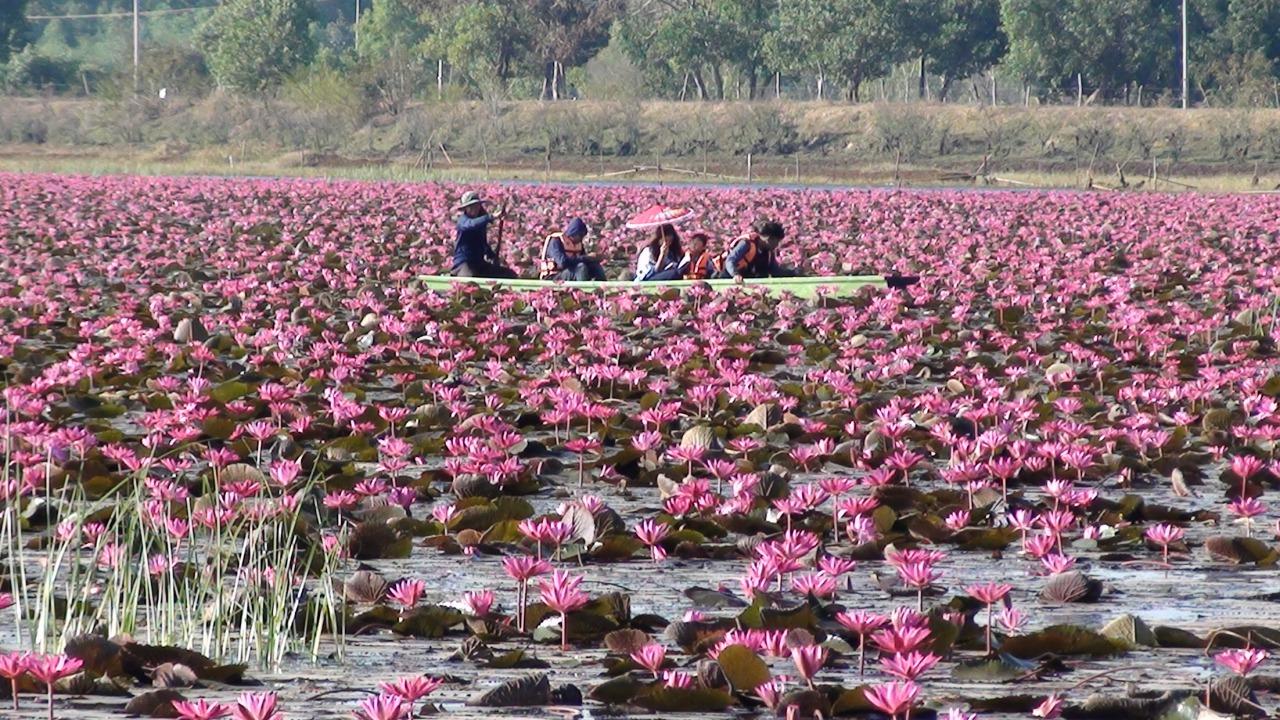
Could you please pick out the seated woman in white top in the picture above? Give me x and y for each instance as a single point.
(662, 258)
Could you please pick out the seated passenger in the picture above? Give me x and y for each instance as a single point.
(661, 258)
(564, 256)
(754, 255)
(700, 263)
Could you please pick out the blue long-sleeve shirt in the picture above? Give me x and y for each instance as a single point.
(763, 265)
(471, 244)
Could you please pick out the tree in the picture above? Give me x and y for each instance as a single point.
(849, 40)
(567, 32)
(967, 40)
(252, 45)
(482, 39)
(13, 28)
(747, 23)
(1107, 44)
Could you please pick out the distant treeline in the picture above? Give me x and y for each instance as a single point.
(397, 51)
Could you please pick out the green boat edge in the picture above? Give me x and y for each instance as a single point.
(804, 287)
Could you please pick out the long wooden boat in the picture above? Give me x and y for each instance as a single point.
(805, 287)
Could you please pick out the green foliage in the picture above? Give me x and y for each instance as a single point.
(252, 45)
(849, 41)
(1109, 43)
(34, 70)
(13, 28)
(967, 39)
(479, 40)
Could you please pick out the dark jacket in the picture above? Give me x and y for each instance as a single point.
(471, 244)
(556, 253)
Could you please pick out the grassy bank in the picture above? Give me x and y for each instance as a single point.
(803, 143)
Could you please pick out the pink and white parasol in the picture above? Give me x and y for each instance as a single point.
(660, 215)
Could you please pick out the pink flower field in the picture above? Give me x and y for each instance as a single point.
(253, 468)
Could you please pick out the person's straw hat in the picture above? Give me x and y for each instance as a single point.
(469, 198)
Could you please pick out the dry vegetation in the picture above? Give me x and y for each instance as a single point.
(328, 128)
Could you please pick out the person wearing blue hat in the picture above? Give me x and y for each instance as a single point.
(473, 256)
(564, 255)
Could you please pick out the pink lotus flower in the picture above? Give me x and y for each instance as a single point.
(381, 707)
(918, 574)
(652, 533)
(651, 657)
(894, 699)
(256, 706)
(49, 669)
(809, 659)
(677, 679)
(14, 665)
(909, 666)
(1051, 707)
(407, 593)
(480, 603)
(989, 594)
(863, 623)
(411, 689)
(1241, 662)
(523, 568)
(560, 593)
(200, 709)
(1164, 535)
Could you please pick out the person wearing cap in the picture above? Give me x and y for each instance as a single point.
(754, 255)
(472, 254)
(564, 256)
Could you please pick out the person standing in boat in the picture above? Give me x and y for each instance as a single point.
(564, 255)
(754, 255)
(472, 254)
(700, 263)
(662, 258)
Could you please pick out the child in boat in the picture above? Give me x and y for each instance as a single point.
(754, 255)
(564, 256)
(700, 263)
(472, 254)
(661, 258)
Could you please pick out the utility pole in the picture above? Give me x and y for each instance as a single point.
(1184, 55)
(135, 46)
(357, 26)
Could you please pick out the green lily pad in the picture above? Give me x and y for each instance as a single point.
(743, 668)
(1060, 640)
(693, 700)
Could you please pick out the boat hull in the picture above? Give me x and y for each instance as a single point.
(806, 287)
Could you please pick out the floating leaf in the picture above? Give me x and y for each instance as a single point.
(708, 598)
(155, 704)
(1059, 640)
(1002, 668)
(101, 657)
(618, 691)
(691, 700)
(626, 641)
(1129, 632)
(430, 621)
(365, 586)
(1072, 586)
(1240, 550)
(377, 540)
(528, 691)
(173, 675)
(228, 391)
(743, 668)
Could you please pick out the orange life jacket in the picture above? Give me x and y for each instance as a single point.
(753, 250)
(547, 266)
(702, 267)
